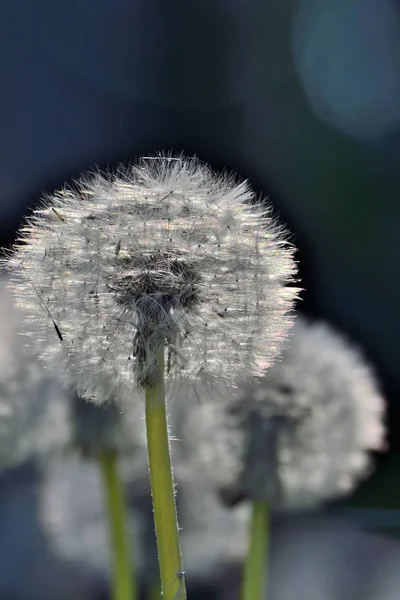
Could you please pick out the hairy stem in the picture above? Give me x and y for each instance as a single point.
(124, 584)
(254, 576)
(162, 487)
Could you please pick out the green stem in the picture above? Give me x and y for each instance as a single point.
(254, 577)
(124, 585)
(162, 487)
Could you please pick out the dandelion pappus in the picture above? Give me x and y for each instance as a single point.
(58, 215)
(56, 327)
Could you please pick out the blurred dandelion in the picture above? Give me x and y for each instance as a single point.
(38, 419)
(328, 416)
(303, 436)
(315, 417)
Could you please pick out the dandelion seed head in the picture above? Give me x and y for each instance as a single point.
(304, 434)
(163, 254)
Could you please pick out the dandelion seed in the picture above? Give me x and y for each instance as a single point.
(58, 332)
(58, 215)
(164, 254)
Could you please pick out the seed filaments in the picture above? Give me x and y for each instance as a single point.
(155, 287)
(156, 281)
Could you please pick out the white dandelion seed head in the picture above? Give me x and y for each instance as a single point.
(339, 415)
(303, 436)
(161, 254)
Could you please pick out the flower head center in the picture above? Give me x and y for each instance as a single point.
(163, 279)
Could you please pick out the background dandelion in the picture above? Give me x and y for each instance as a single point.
(304, 434)
(40, 420)
(299, 438)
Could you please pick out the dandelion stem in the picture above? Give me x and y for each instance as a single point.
(253, 585)
(162, 487)
(124, 585)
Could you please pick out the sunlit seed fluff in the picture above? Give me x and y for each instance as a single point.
(161, 254)
(33, 407)
(303, 436)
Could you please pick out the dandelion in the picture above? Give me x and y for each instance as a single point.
(318, 410)
(327, 414)
(303, 436)
(163, 254)
(102, 433)
(158, 274)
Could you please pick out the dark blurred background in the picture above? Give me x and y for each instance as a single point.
(300, 96)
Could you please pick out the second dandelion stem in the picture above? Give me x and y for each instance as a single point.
(123, 575)
(162, 487)
(253, 585)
